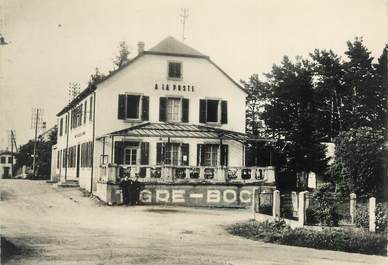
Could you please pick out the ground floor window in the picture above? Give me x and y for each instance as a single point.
(86, 154)
(212, 155)
(131, 155)
(176, 154)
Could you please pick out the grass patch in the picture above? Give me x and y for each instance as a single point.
(339, 239)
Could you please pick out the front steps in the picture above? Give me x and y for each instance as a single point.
(70, 183)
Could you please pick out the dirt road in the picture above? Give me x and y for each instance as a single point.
(63, 227)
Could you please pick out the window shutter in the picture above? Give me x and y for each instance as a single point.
(119, 149)
(224, 155)
(144, 156)
(185, 152)
(145, 108)
(200, 154)
(185, 110)
(162, 109)
(86, 110)
(224, 112)
(159, 153)
(202, 110)
(121, 108)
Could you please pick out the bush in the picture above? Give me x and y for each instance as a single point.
(311, 216)
(325, 211)
(265, 209)
(362, 217)
(349, 240)
(381, 219)
(359, 159)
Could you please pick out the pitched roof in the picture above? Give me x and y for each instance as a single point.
(168, 46)
(171, 46)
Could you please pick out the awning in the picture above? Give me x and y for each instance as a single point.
(184, 131)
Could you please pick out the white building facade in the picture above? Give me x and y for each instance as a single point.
(170, 115)
(7, 161)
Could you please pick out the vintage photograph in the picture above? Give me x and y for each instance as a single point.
(207, 132)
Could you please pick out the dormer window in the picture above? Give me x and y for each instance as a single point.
(174, 70)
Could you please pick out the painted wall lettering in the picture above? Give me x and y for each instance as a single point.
(198, 195)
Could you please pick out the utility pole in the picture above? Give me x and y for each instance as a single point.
(184, 16)
(11, 142)
(37, 115)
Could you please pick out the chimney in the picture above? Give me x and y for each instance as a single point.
(140, 47)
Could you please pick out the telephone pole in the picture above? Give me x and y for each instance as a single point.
(11, 143)
(36, 120)
(184, 16)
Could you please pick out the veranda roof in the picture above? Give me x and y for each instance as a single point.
(184, 131)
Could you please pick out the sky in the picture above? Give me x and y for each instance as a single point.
(54, 42)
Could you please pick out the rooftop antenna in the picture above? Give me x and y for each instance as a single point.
(73, 90)
(184, 16)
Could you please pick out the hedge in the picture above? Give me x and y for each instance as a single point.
(339, 239)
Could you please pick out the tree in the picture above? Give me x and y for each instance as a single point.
(291, 115)
(257, 96)
(43, 160)
(359, 160)
(96, 77)
(329, 91)
(52, 138)
(381, 79)
(363, 103)
(122, 57)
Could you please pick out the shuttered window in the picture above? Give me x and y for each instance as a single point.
(173, 109)
(213, 111)
(131, 153)
(61, 127)
(133, 107)
(176, 154)
(207, 155)
(86, 154)
(86, 110)
(91, 108)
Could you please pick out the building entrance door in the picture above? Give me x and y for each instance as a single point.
(78, 160)
(6, 172)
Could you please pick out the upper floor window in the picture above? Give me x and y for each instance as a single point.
(10, 160)
(2, 160)
(66, 122)
(174, 109)
(90, 108)
(76, 117)
(61, 127)
(133, 107)
(174, 70)
(213, 111)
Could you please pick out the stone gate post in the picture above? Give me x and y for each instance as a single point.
(372, 214)
(353, 205)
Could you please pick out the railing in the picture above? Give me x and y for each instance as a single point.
(187, 174)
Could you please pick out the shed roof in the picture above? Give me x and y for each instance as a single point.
(174, 130)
